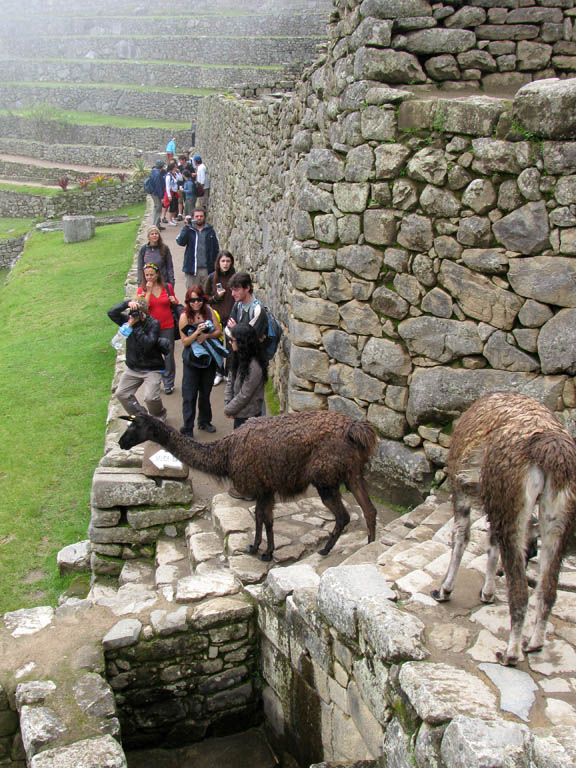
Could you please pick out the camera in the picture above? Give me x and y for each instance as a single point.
(134, 313)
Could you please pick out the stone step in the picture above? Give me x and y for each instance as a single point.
(151, 73)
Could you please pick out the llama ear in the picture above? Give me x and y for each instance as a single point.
(126, 418)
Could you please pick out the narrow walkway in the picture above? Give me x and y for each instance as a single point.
(27, 160)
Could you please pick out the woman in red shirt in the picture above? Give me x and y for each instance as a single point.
(160, 296)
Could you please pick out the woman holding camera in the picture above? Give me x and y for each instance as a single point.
(221, 298)
(197, 324)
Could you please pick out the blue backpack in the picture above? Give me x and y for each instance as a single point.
(148, 185)
(273, 335)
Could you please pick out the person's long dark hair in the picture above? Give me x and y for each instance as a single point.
(248, 348)
(161, 244)
(218, 274)
(205, 311)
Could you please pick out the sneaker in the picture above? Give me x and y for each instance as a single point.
(207, 427)
(168, 390)
(237, 495)
(186, 432)
(161, 228)
(164, 220)
(179, 217)
(172, 223)
(218, 379)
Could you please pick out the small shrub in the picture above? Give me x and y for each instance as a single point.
(122, 176)
(84, 183)
(63, 182)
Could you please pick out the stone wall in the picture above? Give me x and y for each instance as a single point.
(419, 249)
(80, 154)
(55, 132)
(242, 51)
(109, 101)
(10, 250)
(261, 22)
(106, 197)
(190, 678)
(179, 75)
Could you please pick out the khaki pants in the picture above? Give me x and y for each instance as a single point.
(131, 381)
(198, 279)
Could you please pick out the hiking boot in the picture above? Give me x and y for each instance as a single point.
(207, 427)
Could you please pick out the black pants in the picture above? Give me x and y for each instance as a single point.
(197, 386)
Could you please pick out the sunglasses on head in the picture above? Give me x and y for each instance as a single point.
(152, 266)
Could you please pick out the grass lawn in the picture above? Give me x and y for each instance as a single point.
(57, 366)
(29, 189)
(10, 228)
(91, 118)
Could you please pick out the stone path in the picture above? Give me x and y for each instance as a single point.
(34, 161)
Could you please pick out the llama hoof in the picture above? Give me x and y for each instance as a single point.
(266, 557)
(486, 598)
(505, 660)
(439, 596)
(252, 550)
(527, 648)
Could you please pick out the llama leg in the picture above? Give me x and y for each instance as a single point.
(261, 504)
(332, 499)
(268, 516)
(556, 525)
(515, 570)
(460, 538)
(358, 487)
(487, 593)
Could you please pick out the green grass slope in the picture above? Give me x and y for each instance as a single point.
(57, 365)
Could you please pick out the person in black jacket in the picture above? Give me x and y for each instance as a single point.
(144, 359)
(201, 248)
(157, 179)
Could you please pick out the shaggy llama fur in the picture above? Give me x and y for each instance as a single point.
(509, 452)
(279, 455)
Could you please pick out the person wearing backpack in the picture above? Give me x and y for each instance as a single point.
(249, 310)
(154, 186)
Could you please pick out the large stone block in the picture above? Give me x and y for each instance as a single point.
(362, 260)
(547, 279)
(556, 347)
(393, 634)
(479, 297)
(316, 259)
(471, 742)
(441, 340)
(310, 364)
(547, 108)
(439, 692)
(395, 9)
(78, 228)
(358, 317)
(442, 394)
(324, 165)
(525, 230)
(386, 360)
(387, 66)
(438, 40)
(390, 159)
(399, 474)
(313, 310)
(129, 489)
(351, 198)
(88, 753)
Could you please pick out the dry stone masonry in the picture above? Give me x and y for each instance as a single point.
(419, 247)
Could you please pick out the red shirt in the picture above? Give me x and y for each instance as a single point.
(159, 308)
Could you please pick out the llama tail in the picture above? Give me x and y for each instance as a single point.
(555, 454)
(363, 436)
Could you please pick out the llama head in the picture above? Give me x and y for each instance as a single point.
(137, 431)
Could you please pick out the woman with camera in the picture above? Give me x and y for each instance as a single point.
(160, 298)
(221, 298)
(197, 324)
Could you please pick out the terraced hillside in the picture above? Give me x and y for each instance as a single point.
(146, 64)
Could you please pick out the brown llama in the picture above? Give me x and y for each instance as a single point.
(511, 453)
(279, 455)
